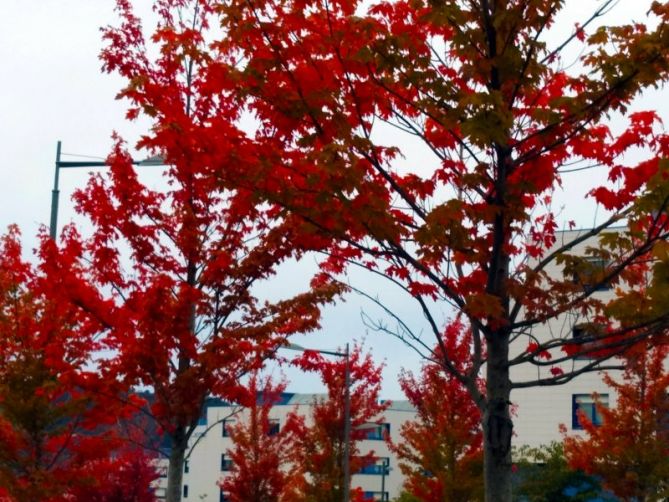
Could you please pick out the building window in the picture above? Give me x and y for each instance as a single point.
(185, 491)
(274, 426)
(223, 497)
(226, 427)
(379, 466)
(591, 275)
(582, 332)
(579, 332)
(380, 496)
(376, 432)
(585, 404)
(226, 463)
(186, 466)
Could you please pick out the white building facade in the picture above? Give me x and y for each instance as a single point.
(539, 411)
(209, 462)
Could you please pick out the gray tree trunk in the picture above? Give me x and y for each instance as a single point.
(497, 424)
(175, 470)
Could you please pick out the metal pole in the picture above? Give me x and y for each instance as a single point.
(347, 426)
(384, 466)
(53, 225)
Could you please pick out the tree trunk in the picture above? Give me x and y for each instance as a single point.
(497, 424)
(175, 470)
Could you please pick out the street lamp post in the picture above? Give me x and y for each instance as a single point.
(346, 466)
(347, 425)
(60, 164)
(385, 467)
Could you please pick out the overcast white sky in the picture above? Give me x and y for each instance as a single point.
(51, 88)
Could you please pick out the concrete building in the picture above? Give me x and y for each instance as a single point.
(541, 410)
(208, 463)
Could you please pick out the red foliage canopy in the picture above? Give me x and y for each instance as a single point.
(474, 83)
(57, 413)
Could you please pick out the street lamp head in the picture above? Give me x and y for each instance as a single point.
(154, 160)
(299, 348)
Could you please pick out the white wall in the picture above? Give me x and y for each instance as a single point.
(204, 465)
(539, 411)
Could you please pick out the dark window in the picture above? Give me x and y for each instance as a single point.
(378, 467)
(591, 275)
(585, 404)
(226, 463)
(223, 497)
(580, 333)
(274, 426)
(226, 427)
(185, 491)
(186, 466)
(377, 432)
(380, 496)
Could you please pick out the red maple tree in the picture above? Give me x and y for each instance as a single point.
(58, 414)
(320, 437)
(440, 452)
(263, 459)
(629, 450)
(182, 262)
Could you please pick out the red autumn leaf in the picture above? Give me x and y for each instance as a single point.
(58, 417)
(555, 371)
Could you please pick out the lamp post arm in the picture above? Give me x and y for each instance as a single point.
(83, 163)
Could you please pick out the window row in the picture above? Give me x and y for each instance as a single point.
(593, 274)
(367, 496)
(371, 431)
(228, 423)
(374, 432)
(380, 496)
(379, 466)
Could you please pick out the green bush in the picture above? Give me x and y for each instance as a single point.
(542, 475)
